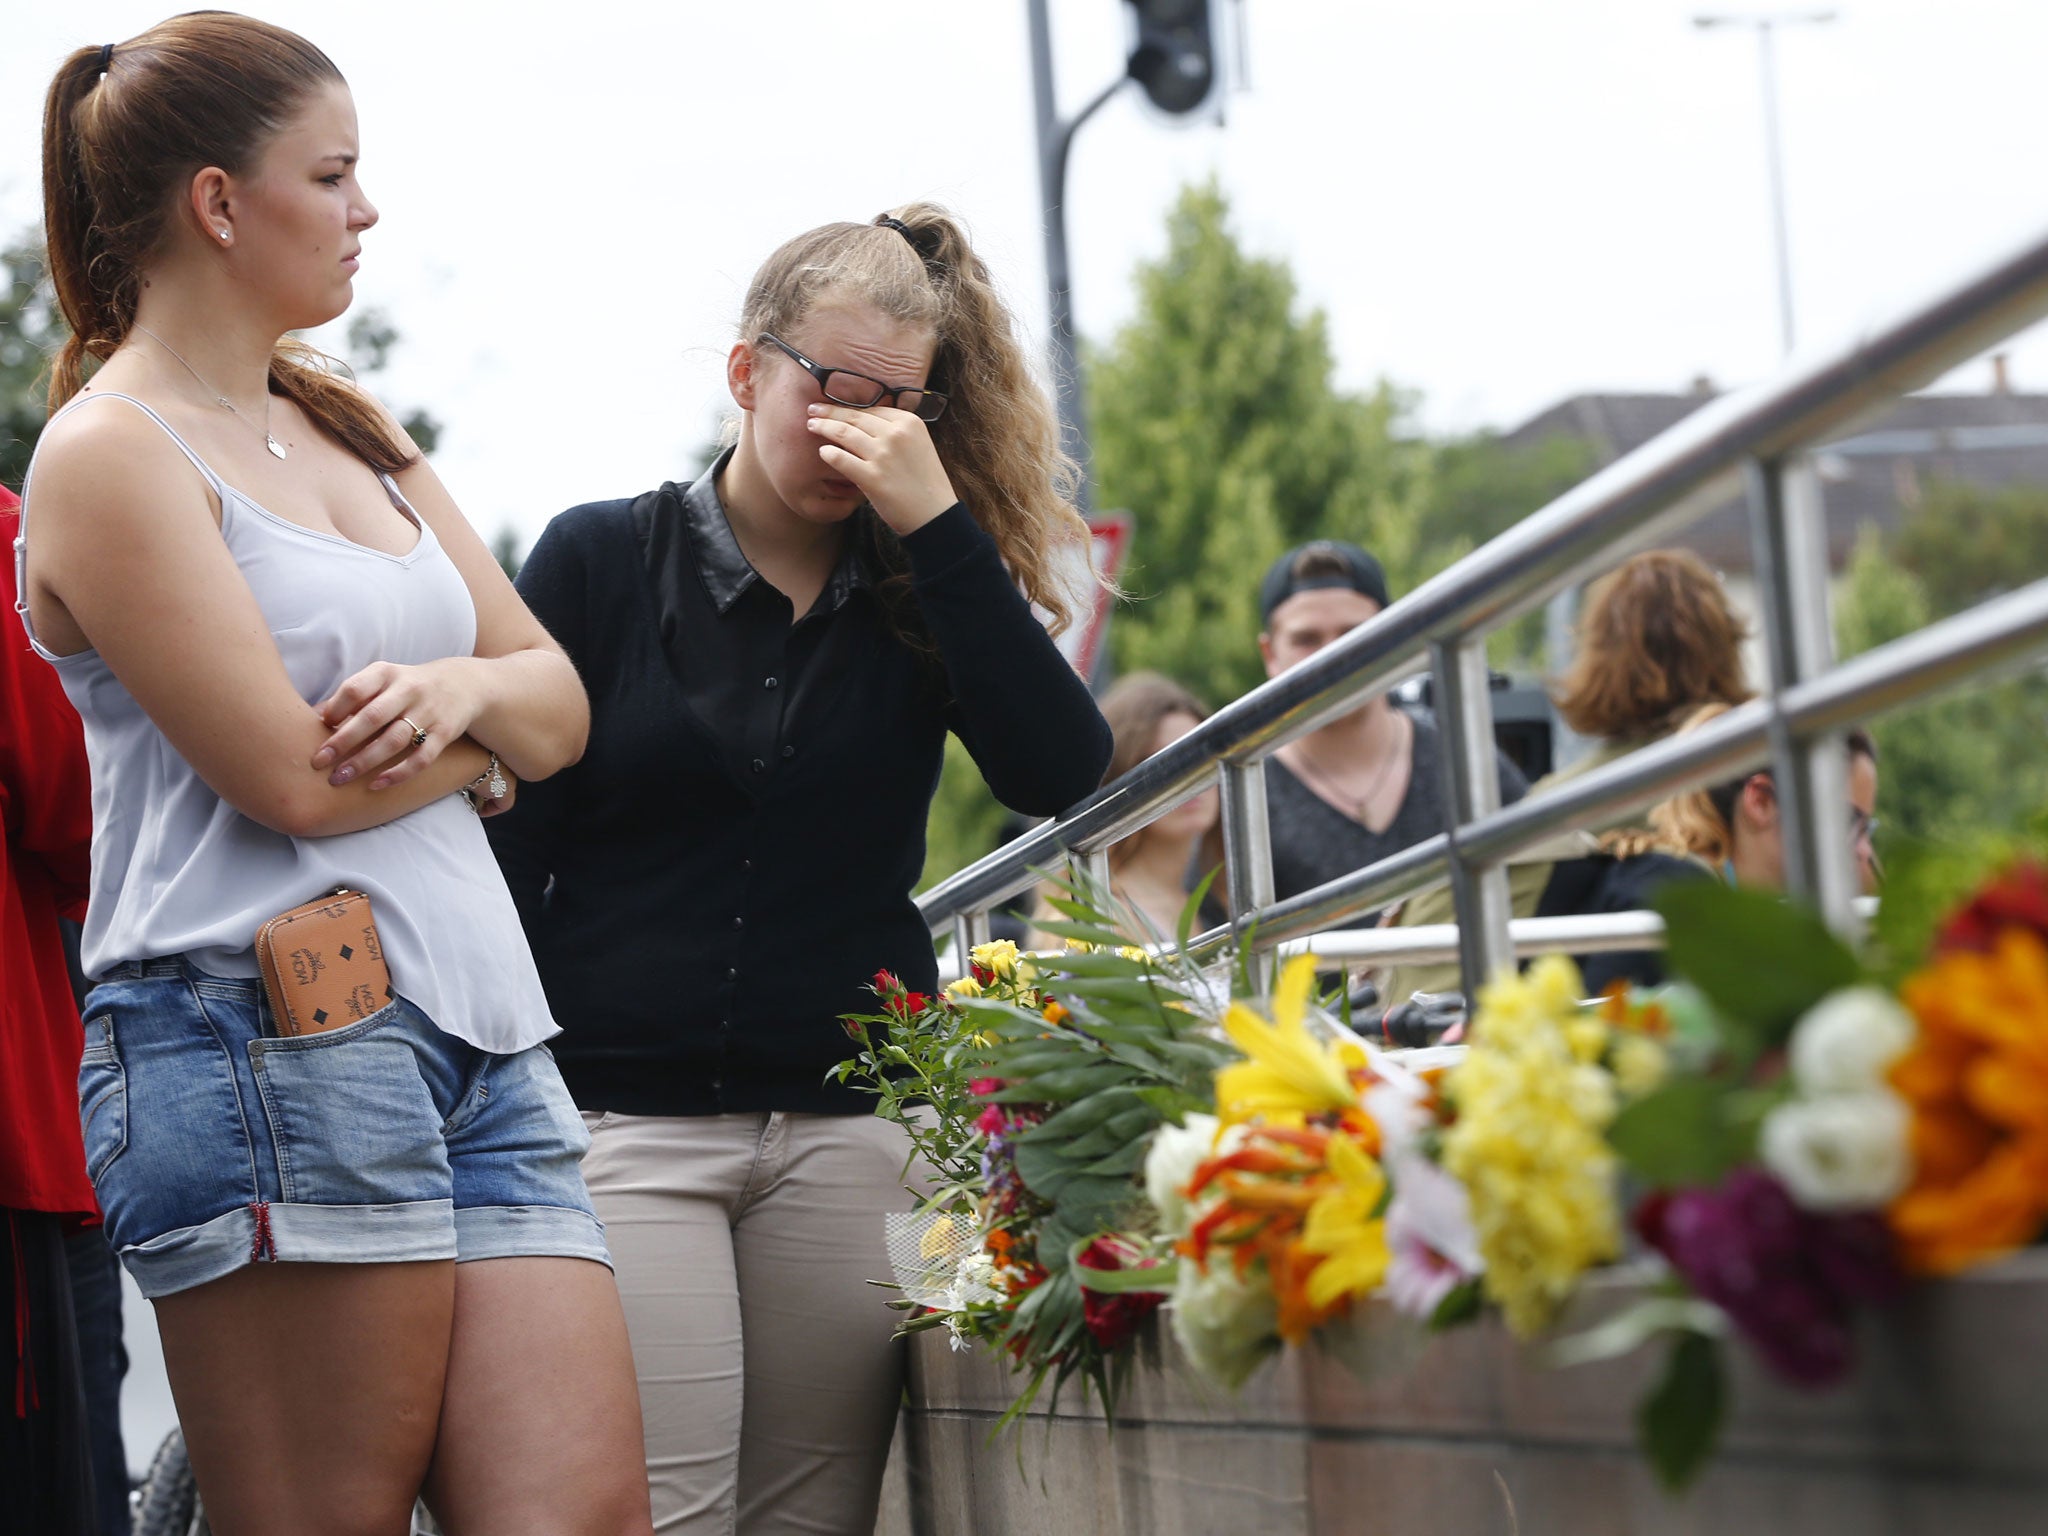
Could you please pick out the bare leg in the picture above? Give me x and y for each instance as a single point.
(310, 1393)
(540, 1426)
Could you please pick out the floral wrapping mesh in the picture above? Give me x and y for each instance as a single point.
(938, 1259)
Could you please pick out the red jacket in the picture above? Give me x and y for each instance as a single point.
(46, 810)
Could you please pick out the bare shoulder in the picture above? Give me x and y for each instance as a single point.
(108, 463)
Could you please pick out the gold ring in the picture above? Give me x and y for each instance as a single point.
(419, 737)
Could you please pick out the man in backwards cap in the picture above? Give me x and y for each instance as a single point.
(1370, 783)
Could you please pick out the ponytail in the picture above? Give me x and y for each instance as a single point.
(97, 317)
(123, 126)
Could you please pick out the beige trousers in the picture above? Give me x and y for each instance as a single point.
(744, 1244)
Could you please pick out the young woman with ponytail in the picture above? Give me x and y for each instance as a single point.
(374, 1263)
(775, 654)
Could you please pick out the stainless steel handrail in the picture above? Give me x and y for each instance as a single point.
(1754, 437)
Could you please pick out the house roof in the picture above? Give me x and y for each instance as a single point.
(1872, 476)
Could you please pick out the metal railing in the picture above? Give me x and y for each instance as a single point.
(1755, 438)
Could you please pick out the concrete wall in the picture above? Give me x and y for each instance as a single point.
(1944, 1429)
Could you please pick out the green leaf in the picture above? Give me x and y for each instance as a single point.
(1063, 968)
(1635, 1325)
(1066, 1083)
(1680, 1421)
(1087, 1204)
(1761, 960)
(1087, 1115)
(1156, 1278)
(1045, 1170)
(1087, 930)
(1680, 1134)
(1124, 1162)
(1191, 911)
(1461, 1304)
(1124, 988)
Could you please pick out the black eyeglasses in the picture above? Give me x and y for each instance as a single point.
(842, 386)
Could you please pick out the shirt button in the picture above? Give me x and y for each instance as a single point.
(739, 922)
(759, 766)
(773, 682)
(789, 752)
(746, 866)
(732, 973)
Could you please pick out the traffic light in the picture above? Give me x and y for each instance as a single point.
(1174, 60)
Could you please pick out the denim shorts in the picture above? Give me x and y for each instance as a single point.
(214, 1144)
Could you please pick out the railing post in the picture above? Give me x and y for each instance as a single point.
(969, 929)
(1248, 858)
(1090, 874)
(1471, 790)
(1788, 541)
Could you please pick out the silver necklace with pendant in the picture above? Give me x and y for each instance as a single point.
(269, 442)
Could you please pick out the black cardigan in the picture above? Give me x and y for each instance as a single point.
(699, 937)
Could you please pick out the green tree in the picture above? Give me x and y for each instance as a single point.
(371, 340)
(1964, 767)
(1217, 421)
(30, 333)
(1479, 488)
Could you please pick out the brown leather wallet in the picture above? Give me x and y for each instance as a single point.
(322, 965)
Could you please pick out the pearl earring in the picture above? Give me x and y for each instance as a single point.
(223, 234)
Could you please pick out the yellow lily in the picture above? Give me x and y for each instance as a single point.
(1342, 1228)
(1288, 1074)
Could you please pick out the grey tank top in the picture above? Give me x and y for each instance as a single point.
(178, 871)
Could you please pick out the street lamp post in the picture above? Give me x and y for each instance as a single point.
(1765, 26)
(1054, 139)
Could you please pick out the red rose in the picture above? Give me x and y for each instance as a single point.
(1113, 1318)
(2016, 898)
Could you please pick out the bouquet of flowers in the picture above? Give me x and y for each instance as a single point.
(1792, 1133)
(1034, 1088)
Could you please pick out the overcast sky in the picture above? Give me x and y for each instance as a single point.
(1498, 202)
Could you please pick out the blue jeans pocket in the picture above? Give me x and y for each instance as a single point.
(102, 1097)
(334, 1101)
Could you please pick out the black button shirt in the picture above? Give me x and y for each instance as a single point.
(714, 884)
(714, 603)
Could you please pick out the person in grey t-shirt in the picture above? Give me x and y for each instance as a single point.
(1368, 784)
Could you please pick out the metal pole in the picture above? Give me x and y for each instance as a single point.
(1774, 154)
(1479, 893)
(1248, 857)
(1766, 26)
(1054, 138)
(1788, 540)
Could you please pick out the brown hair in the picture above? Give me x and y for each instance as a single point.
(1657, 637)
(205, 89)
(999, 438)
(1134, 706)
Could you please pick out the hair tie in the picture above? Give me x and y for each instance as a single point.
(106, 57)
(926, 245)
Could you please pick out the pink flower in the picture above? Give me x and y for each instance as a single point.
(1429, 1230)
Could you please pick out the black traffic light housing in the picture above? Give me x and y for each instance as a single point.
(1174, 60)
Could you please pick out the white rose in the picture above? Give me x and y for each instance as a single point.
(1847, 1040)
(1844, 1152)
(1227, 1325)
(1177, 1151)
